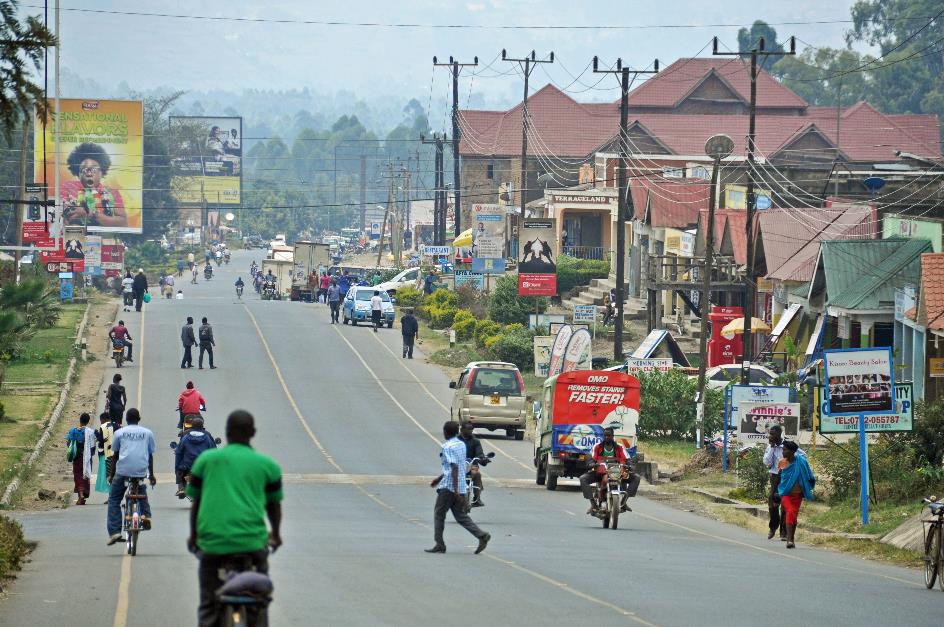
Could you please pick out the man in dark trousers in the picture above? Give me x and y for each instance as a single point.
(138, 288)
(188, 340)
(206, 342)
(772, 455)
(410, 328)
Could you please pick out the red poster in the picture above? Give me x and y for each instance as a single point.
(113, 259)
(537, 284)
(70, 255)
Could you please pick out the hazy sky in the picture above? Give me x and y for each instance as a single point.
(151, 51)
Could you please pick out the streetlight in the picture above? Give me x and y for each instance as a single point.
(717, 147)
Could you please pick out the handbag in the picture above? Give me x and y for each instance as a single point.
(147, 297)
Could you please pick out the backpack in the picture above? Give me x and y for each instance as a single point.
(205, 333)
(73, 451)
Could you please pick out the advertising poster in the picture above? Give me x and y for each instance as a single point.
(70, 257)
(739, 395)
(578, 354)
(557, 349)
(101, 163)
(472, 279)
(113, 259)
(757, 419)
(488, 234)
(537, 263)
(542, 354)
(859, 380)
(93, 255)
(587, 402)
(40, 226)
(488, 265)
(206, 160)
(585, 313)
(652, 364)
(900, 420)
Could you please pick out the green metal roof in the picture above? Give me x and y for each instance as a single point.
(863, 274)
(800, 290)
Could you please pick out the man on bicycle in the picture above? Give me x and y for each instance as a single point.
(234, 489)
(134, 447)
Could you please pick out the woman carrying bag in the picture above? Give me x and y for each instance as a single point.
(796, 483)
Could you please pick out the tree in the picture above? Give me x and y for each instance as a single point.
(825, 76)
(748, 39)
(21, 44)
(160, 208)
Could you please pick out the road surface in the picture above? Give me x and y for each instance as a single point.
(356, 430)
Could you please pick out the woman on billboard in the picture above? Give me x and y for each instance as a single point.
(87, 200)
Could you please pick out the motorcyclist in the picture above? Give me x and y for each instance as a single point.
(208, 270)
(190, 403)
(473, 450)
(608, 451)
(119, 332)
(219, 257)
(239, 284)
(194, 441)
(269, 277)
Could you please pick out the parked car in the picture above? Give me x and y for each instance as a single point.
(407, 278)
(722, 376)
(357, 306)
(490, 395)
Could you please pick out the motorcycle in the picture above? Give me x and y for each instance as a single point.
(239, 292)
(118, 352)
(187, 426)
(471, 489)
(268, 291)
(609, 492)
(207, 273)
(226, 258)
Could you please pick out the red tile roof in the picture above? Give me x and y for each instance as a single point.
(932, 289)
(670, 204)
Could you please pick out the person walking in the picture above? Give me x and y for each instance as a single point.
(180, 266)
(127, 291)
(376, 309)
(234, 489)
(409, 328)
(451, 491)
(190, 260)
(188, 339)
(323, 284)
(344, 284)
(139, 288)
(169, 285)
(81, 446)
(116, 398)
(104, 435)
(796, 483)
(206, 343)
(333, 295)
(777, 521)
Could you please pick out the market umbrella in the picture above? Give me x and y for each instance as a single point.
(737, 326)
(464, 240)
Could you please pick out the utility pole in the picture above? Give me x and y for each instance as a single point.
(363, 182)
(527, 66)
(750, 287)
(624, 203)
(456, 133)
(439, 197)
(383, 228)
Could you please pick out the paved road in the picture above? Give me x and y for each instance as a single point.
(355, 429)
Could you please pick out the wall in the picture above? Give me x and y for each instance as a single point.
(895, 226)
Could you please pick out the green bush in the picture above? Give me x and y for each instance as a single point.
(440, 316)
(927, 438)
(464, 325)
(506, 306)
(573, 272)
(485, 329)
(476, 301)
(145, 254)
(490, 341)
(753, 474)
(13, 547)
(667, 406)
(516, 347)
(409, 297)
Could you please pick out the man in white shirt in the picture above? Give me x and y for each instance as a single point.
(772, 456)
(376, 309)
(127, 291)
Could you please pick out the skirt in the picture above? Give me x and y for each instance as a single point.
(101, 481)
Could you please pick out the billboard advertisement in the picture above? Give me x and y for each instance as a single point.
(101, 163)
(206, 162)
(542, 354)
(578, 354)
(70, 256)
(859, 381)
(757, 419)
(488, 232)
(537, 263)
(561, 338)
(38, 225)
(901, 420)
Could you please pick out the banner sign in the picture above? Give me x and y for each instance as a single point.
(375, 230)
(557, 350)
(93, 255)
(113, 259)
(431, 250)
(634, 365)
(756, 419)
(585, 313)
(537, 263)
(206, 163)
(488, 234)
(739, 395)
(542, 354)
(859, 381)
(71, 251)
(488, 266)
(472, 279)
(579, 354)
(36, 229)
(101, 163)
(901, 420)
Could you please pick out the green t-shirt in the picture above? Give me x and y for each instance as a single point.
(234, 484)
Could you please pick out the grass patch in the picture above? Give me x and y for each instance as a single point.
(846, 516)
(25, 418)
(456, 357)
(867, 549)
(672, 453)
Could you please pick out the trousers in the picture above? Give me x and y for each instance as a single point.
(629, 486)
(408, 347)
(335, 307)
(775, 510)
(446, 501)
(208, 348)
(118, 489)
(187, 361)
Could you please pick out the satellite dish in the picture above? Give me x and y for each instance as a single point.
(873, 184)
(719, 146)
(229, 217)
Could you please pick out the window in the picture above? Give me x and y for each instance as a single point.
(490, 171)
(495, 381)
(368, 294)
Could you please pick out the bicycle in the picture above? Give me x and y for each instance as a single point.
(131, 515)
(933, 543)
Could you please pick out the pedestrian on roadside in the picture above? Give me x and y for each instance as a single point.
(323, 285)
(140, 288)
(796, 483)
(409, 328)
(429, 281)
(376, 309)
(344, 284)
(188, 339)
(103, 436)
(127, 291)
(190, 260)
(451, 491)
(333, 295)
(206, 342)
(81, 446)
(116, 398)
(772, 456)
(376, 278)
(169, 286)
(180, 266)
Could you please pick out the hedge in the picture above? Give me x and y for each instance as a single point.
(573, 272)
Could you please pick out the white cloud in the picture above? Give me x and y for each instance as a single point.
(475, 7)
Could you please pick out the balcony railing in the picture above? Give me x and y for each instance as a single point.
(587, 252)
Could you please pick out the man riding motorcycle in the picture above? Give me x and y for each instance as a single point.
(207, 271)
(189, 404)
(119, 333)
(194, 441)
(473, 450)
(608, 451)
(239, 286)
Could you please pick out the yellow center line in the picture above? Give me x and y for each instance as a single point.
(440, 403)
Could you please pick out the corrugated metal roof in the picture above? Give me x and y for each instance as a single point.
(932, 289)
(671, 204)
(863, 274)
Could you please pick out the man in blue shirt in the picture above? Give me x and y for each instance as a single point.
(134, 447)
(451, 491)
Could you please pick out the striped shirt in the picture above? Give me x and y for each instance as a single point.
(453, 452)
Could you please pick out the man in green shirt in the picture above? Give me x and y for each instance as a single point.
(233, 489)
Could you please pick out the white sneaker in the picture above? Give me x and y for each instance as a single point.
(115, 537)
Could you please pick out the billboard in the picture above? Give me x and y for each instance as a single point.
(101, 163)
(206, 161)
(488, 232)
(859, 381)
(901, 420)
(537, 263)
(756, 419)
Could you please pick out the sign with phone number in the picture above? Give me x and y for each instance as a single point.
(900, 420)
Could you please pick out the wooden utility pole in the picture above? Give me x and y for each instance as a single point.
(456, 133)
(363, 182)
(624, 204)
(750, 287)
(439, 196)
(383, 228)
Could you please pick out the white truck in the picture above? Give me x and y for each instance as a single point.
(308, 257)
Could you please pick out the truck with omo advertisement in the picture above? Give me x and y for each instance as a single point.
(575, 408)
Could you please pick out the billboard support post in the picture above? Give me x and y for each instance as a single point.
(864, 470)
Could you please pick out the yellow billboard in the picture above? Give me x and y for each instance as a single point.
(206, 160)
(100, 163)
